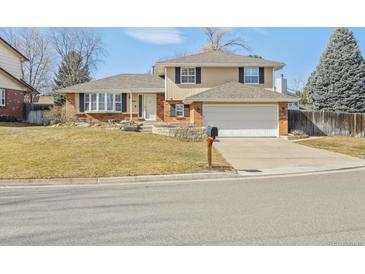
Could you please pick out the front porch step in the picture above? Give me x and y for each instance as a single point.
(146, 128)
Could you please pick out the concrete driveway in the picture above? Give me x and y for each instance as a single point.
(276, 153)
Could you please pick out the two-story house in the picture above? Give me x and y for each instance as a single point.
(230, 91)
(14, 91)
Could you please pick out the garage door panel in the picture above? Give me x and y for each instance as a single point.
(242, 120)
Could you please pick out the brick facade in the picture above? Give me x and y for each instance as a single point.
(14, 104)
(171, 119)
(163, 113)
(283, 118)
(196, 114)
(160, 97)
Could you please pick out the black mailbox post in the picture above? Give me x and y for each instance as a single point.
(212, 132)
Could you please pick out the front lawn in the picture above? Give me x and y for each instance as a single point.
(46, 152)
(346, 145)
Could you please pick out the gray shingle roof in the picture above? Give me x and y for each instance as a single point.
(120, 83)
(218, 58)
(238, 92)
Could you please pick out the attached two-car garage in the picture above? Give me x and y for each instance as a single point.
(243, 120)
(243, 110)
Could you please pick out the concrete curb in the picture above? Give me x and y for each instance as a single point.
(301, 170)
(175, 177)
(116, 180)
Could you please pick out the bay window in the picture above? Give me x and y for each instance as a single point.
(118, 102)
(110, 101)
(188, 75)
(252, 75)
(93, 102)
(102, 102)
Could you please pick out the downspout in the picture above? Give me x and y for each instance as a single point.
(130, 105)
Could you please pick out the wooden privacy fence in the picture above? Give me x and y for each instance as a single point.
(320, 123)
(36, 113)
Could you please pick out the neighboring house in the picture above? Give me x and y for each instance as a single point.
(230, 91)
(44, 100)
(14, 91)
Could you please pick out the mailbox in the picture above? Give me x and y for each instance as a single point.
(212, 131)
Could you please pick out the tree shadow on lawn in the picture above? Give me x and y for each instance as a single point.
(17, 124)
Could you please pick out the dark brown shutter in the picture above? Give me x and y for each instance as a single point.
(81, 102)
(186, 110)
(177, 75)
(140, 104)
(172, 110)
(241, 75)
(124, 102)
(198, 76)
(261, 75)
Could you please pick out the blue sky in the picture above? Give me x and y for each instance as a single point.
(134, 50)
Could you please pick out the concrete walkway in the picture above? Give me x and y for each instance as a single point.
(277, 156)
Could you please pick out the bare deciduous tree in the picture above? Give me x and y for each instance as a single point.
(215, 37)
(86, 42)
(35, 45)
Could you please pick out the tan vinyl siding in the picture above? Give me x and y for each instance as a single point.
(210, 77)
(9, 83)
(10, 61)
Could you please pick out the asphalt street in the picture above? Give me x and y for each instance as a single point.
(319, 209)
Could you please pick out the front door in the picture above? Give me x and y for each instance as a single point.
(149, 101)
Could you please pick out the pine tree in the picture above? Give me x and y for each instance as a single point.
(338, 83)
(71, 71)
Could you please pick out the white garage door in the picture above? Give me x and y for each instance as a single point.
(242, 119)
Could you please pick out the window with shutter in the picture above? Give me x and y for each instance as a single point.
(179, 110)
(188, 75)
(252, 75)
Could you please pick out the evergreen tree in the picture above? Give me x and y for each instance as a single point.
(71, 71)
(338, 83)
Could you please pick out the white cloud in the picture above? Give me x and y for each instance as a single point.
(261, 31)
(155, 35)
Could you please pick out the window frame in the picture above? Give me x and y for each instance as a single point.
(105, 96)
(2, 97)
(176, 110)
(247, 69)
(187, 75)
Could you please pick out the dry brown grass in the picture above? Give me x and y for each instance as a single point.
(46, 152)
(345, 145)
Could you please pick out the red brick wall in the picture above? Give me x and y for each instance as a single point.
(196, 114)
(14, 104)
(104, 117)
(283, 118)
(160, 106)
(171, 119)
